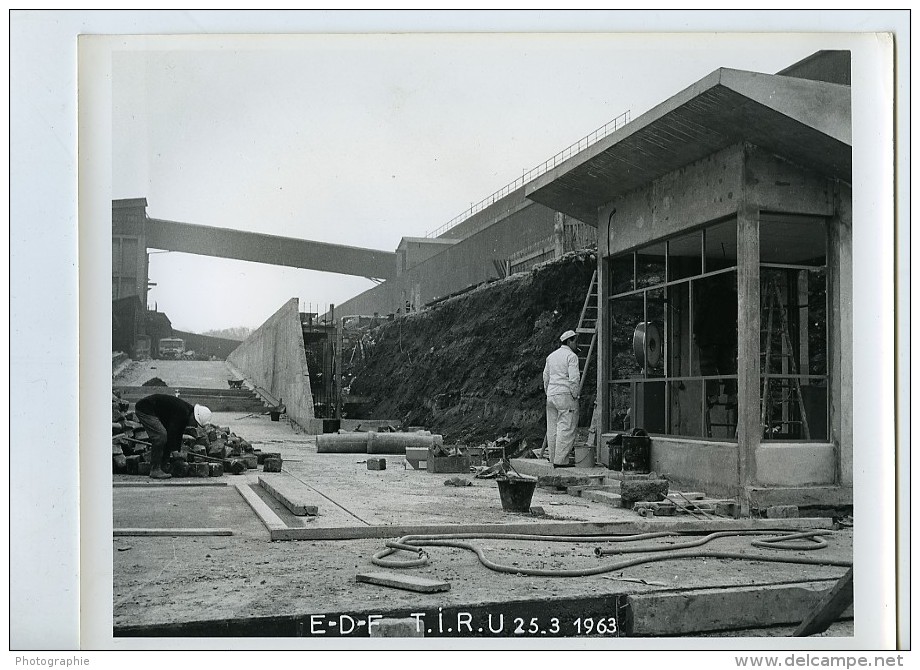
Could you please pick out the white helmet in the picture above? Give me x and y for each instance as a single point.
(202, 415)
(567, 335)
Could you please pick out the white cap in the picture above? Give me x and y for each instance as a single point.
(567, 335)
(202, 415)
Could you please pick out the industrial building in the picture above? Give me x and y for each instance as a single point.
(724, 220)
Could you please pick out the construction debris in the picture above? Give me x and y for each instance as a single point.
(648, 490)
(457, 481)
(376, 464)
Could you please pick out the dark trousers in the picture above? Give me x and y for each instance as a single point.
(157, 435)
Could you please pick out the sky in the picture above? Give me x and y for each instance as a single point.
(363, 139)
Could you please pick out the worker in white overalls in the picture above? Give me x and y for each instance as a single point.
(561, 381)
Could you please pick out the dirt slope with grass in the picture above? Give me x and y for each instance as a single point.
(471, 366)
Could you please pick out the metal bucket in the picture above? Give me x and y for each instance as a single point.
(516, 494)
(584, 457)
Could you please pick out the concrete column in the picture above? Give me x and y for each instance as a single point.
(749, 429)
(339, 343)
(603, 314)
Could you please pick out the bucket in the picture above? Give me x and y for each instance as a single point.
(516, 494)
(584, 457)
(275, 415)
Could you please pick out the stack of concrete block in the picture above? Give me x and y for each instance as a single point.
(130, 450)
(225, 451)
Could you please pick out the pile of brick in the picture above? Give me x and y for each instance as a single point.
(206, 451)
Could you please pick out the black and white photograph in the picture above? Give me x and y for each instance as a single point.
(496, 339)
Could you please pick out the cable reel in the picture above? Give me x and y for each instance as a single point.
(647, 344)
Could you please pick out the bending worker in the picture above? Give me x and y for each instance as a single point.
(561, 382)
(165, 417)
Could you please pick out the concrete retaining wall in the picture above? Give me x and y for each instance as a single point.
(273, 358)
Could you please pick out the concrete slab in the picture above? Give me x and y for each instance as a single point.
(268, 517)
(162, 507)
(605, 497)
(698, 610)
(291, 493)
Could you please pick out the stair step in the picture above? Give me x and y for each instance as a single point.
(605, 497)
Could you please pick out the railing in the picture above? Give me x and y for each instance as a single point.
(535, 172)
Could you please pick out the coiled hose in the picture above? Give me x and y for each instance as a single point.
(413, 543)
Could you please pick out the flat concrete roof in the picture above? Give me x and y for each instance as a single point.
(805, 121)
(443, 241)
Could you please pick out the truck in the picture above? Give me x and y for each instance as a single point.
(171, 347)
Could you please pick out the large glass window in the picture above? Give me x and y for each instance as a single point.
(674, 335)
(793, 321)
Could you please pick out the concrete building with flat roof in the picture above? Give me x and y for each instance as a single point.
(724, 220)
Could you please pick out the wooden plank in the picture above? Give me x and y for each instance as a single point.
(169, 532)
(164, 482)
(405, 582)
(291, 493)
(538, 527)
(265, 513)
(832, 605)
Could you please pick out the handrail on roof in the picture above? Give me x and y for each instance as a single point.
(533, 173)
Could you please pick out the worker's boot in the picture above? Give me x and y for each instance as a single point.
(159, 474)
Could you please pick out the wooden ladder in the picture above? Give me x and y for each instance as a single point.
(587, 327)
(773, 303)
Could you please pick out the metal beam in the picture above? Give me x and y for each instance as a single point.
(271, 249)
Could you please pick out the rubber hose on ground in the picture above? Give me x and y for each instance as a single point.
(816, 543)
(662, 554)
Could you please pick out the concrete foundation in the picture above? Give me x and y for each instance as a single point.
(710, 466)
(794, 465)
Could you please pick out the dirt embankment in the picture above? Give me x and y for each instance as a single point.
(471, 367)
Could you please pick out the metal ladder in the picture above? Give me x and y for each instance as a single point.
(773, 303)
